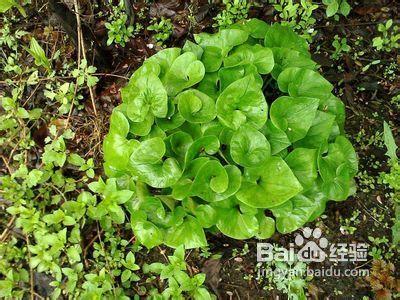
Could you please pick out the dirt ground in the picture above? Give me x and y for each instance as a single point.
(366, 92)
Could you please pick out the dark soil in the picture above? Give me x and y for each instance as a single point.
(367, 96)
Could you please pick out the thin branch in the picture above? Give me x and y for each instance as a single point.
(7, 229)
(32, 282)
(79, 28)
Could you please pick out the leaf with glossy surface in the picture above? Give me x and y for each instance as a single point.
(149, 151)
(225, 39)
(269, 185)
(283, 36)
(249, 147)
(160, 175)
(143, 95)
(301, 82)
(262, 58)
(147, 234)
(276, 137)
(189, 233)
(303, 163)
(242, 102)
(185, 72)
(237, 225)
(196, 107)
(294, 115)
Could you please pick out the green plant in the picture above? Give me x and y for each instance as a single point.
(10, 39)
(288, 277)
(179, 284)
(340, 46)
(396, 101)
(235, 10)
(389, 39)
(336, 6)
(297, 15)
(5, 5)
(393, 179)
(163, 29)
(195, 142)
(38, 53)
(348, 225)
(84, 74)
(117, 29)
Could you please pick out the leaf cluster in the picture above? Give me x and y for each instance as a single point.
(200, 147)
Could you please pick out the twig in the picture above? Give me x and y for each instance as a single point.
(79, 32)
(79, 28)
(163, 253)
(7, 229)
(30, 270)
(110, 75)
(6, 163)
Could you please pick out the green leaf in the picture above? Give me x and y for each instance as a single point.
(195, 106)
(319, 131)
(76, 160)
(294, 116)
(178, 144)
(249, 147)
(204, 145)
(189, 233)
(212, 58)
(149, 151)
(194, 48)
(344, 8)
(242, 102)
(262, 58)
(266, 226)
(225, 39)
(332, 8)
(119, 123)
(337, 164)
(147, 234)
(269, 185)
(73, 254)
(257, 28)
(38, 54)
(210, 179)
(210, 85)
(206, 215)
(171, 123)
(185, 72)
(340, 187)
(334, 155)
(293, 214)
(228, 75)
(163, 59)
(283, 36)
(335, 106)
(160, 175)
(145, 94)
(276, 137)
(303, 163)
(389, 141)
(286, 58)
(300, 82)
(126, 275)
(237, 225)
(117, 150)
(6, 5)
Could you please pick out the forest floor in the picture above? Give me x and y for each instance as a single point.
(366, 80)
